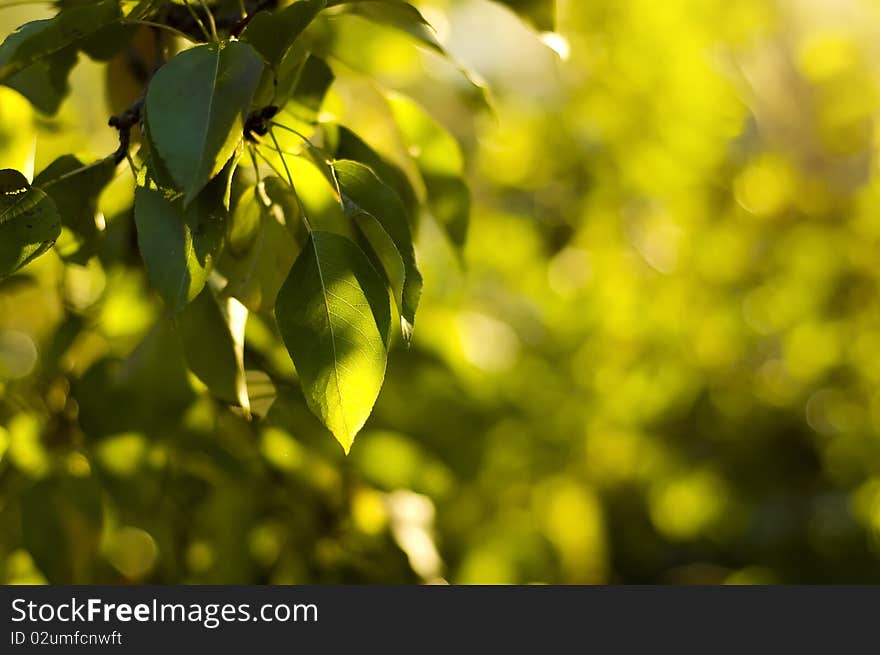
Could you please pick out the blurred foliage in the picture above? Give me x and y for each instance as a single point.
(657, 363)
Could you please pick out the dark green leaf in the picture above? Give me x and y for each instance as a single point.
(334, 317)
(75, 189)
(302, 90)
(61, 523)
(179, 245)
(273, 33)
(43, 38)
(381, 218)
(195, 109)
(210, 349)
(44, 83)
(540, 13)
(112, 392)
(108, 41)
(29, 221)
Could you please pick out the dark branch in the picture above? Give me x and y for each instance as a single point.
(123, 123)
(257, 123)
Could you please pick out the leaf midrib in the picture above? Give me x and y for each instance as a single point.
(209, 114)
(332, 338)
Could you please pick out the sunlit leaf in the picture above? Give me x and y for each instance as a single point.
(345, 144)
(195, 109)
(29, 221)
(381, 217)
(397, 14)
(178, 245)
(333, 314)
(244, 222)
(256, 271)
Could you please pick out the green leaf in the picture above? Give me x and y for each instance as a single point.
(540, 13)
(75, 189)
(379, 214)
(44, 83)
(256, 274)
(334, 316)
(212, 351)
(285, 208)
(61, 522)
(273, 33)
(112, 392)
(154, 168)
(195, 110)
(108, 41)
(29, 222)
(441, 164)
(345, 144)
(178, 244)
(399, 15)
(302, 90)
(244, 222)
(43, 38)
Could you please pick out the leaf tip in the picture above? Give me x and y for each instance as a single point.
(406, 329)
(346, 442)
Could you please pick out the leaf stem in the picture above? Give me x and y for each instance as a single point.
(299, 203)
(296, 132)
(211, 23)
(75, 171)
(162, 26)
(251, 150)
(198, 20)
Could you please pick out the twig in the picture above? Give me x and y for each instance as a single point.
(123, 123)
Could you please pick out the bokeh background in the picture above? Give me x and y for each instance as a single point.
(657, 363)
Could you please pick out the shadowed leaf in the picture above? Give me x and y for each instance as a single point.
(29, 222)
(195, 109)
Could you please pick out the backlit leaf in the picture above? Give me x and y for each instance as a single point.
(256, 271)
(397, 14)
(441, 164)
(345, 144)
(381, 217)
(334, 316)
